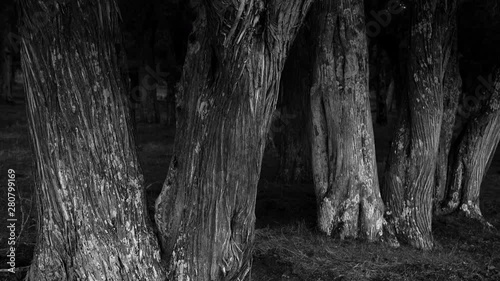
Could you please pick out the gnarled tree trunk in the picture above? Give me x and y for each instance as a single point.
(93, 222)
(408, 183)
(452, 88)
(472, 154)
(228, 93)
(343, 149)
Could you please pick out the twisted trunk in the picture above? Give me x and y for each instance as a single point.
(343, 150)
(92, 218)
(205, 213)
(472, 154)
(409, 177)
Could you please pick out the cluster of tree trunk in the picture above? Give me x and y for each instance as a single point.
(93, 223)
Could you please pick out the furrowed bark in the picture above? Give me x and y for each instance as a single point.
(452, 88)
(409, 177)
(472, 152)
(93, 222)
(343, 150)
(228, 93)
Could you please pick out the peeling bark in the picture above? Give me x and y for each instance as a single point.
(93, 222)
(231, 77)
(472, 155)
(409, 177)
(343, 149)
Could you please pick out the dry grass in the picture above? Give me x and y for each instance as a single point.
(296, 252)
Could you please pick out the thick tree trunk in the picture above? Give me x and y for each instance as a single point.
(93, 222)
(229, 89)
(472, 155)
(343, 149)
(409, 177)
(452, 87)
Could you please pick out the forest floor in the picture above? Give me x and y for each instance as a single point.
(287, 245)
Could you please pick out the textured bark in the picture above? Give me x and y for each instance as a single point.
(343, 149)
(93, 222)
(472, 155)
(409, 177)
(452, 88)
(205, 212)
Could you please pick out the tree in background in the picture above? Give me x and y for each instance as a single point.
(93, 223)
(228, 93)
(477, 139)
(452, 88)
(472, 154)
(291, 120)
(6, 50)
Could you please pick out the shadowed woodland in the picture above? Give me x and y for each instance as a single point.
(250, 140)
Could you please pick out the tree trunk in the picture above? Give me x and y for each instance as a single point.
(409, 177)
(452, 88)
(93, 223)
(472, 155)
(228, 92)
(343, 149)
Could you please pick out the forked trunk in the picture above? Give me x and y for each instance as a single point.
(93, 222)
(205, 213)
(409, 177)
(343, 150)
